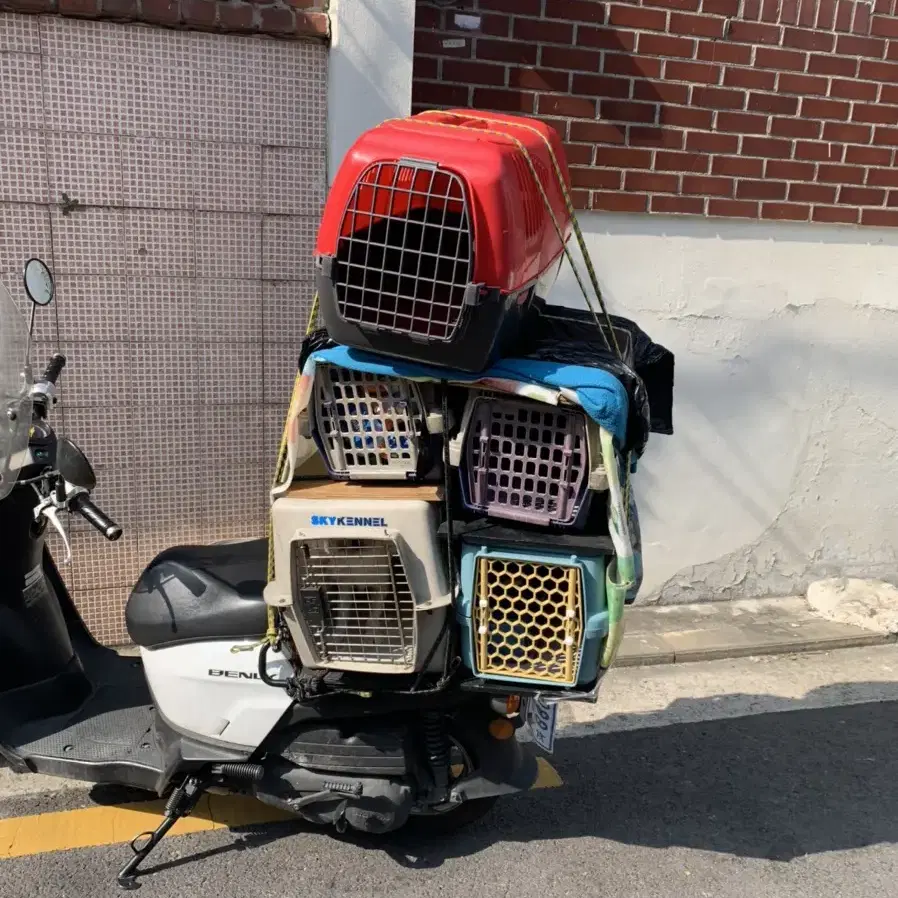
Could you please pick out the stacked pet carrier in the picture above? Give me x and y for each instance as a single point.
(448, 497)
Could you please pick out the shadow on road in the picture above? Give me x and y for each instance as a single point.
(773, 786)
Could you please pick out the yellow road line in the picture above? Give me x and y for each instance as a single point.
(114, 824)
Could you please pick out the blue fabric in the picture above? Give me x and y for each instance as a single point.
(601, 394)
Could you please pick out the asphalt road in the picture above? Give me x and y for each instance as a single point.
(797, 803)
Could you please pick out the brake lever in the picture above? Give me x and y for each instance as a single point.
(47, 508)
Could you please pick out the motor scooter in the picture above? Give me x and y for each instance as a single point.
(209, 705)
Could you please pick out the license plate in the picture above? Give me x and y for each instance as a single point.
(541, 718)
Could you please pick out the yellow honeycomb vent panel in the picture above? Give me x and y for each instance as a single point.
(528, 619)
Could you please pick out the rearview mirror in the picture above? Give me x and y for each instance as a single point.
(72, 463)
(38, 282)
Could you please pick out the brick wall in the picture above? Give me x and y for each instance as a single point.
(772, 109)
(281, 18)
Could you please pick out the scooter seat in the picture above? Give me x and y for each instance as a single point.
(191, 593)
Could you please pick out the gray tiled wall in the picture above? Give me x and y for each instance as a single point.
(184, 276)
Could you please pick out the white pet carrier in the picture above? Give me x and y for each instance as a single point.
(361, 581)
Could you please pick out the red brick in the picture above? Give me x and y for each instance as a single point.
(886, 137)
(692, 163)
(711, 142)
(580, 199)
(431, 44)
(718, 51)
(732, 209)
(697, 72)
(818, 151)
(887, 94)
(868, 156)
(503, 100)
(769, 147)
(719, 98)
(465, 71)
(852, 90)
(835, 215)
(620, 111)
(805, 39)
(753, 33)
(634, 66)
(276, 20)
(742, 122)
(519, 7)
(654, 136)
(89, 8)
(566, 58)
(677, 205)
(818, 108)
(700, 26)
(826, 14)
(606, 38)
(773, 103)
(575, 10)
(879, 71)
(312, 24)
(651, 182)
(886, 218)
(737, 166)
(760, 190)
(538, 79)
(756, 79)
(577, 107)
(686, 117)
(787, 170)
(600, 178)
(812, 193)
(861, 196)
(785, 212)
(688, 5)
(790, 83)
(886, 26)
(892, 202)
(795, 127)
(660, 91)
(665, 45)
(781, 60)
(637, 17)
(892, 50)
(623, 157)
(842, 133)
(702, 185)
(840, 174)
(853, 45)
(595, 132)
(601, 86)
(127, 9)
(845, 66)
(507, 51)
(883, 177)
(620, 202)
(578, 153)
(546, 32)
(163, 12)
(426, 67)
(234, 18)
(431, 93)
(729, 8)
(428, 17)
(30, 6)
(875, 114)
(196, 13)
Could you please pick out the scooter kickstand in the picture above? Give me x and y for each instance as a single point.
(180, 803)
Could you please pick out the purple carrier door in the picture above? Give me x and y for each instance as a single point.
(526, 461)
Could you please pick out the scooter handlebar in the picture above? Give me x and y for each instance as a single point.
(95, 517)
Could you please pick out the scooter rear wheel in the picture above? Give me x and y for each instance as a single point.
(443, 823)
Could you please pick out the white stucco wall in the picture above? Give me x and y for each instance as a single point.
(784, 464)
(369, 69)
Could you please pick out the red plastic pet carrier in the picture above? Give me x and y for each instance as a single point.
(434, 233)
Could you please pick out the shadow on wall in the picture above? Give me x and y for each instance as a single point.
(776, 787)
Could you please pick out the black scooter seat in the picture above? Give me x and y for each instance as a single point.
(192, 593)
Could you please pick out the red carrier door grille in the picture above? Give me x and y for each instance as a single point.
(404, 258)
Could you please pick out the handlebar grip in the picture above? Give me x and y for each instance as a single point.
(95, 517)
(54, 368)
